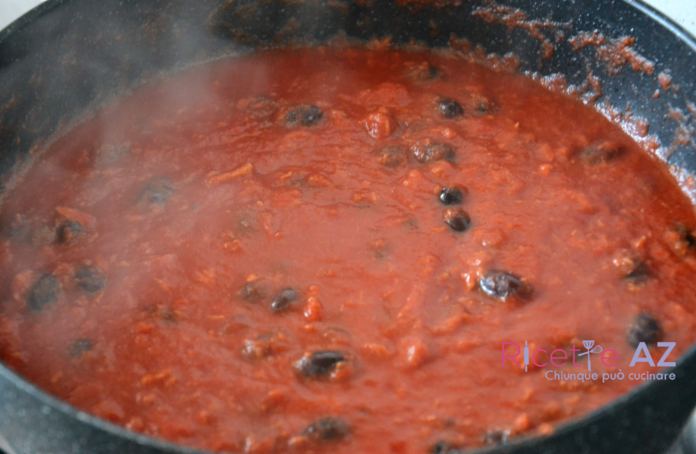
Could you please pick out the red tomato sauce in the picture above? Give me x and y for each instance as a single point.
(258, 256)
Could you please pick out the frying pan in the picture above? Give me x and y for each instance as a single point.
(66, 57)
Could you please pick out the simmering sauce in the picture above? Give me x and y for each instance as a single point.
(324, 250)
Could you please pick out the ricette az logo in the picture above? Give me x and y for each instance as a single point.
(609, 358)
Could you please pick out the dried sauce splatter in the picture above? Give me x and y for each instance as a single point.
(615, 53)
(515, 18)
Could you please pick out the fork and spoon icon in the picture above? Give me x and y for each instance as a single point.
(588, 344)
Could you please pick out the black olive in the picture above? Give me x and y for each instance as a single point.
(327, 429)
(634, 270)
(449, 108)
(303, 115)
(433, 72)
(496, 437)
(483, 105)
(90, 279)
(451, 196)
(685, 234)
(43, 293)
(457, 219)
(80, 346)
(423, 72)
(600, 152)
(502, 285)
(69, 232)
(680, 239)
(319, 364)
(252, 292)
(443, 447)
(284, 299)
(157, 192)
(428, 152)
(646, 329)
(169, 315)
(392, 156)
